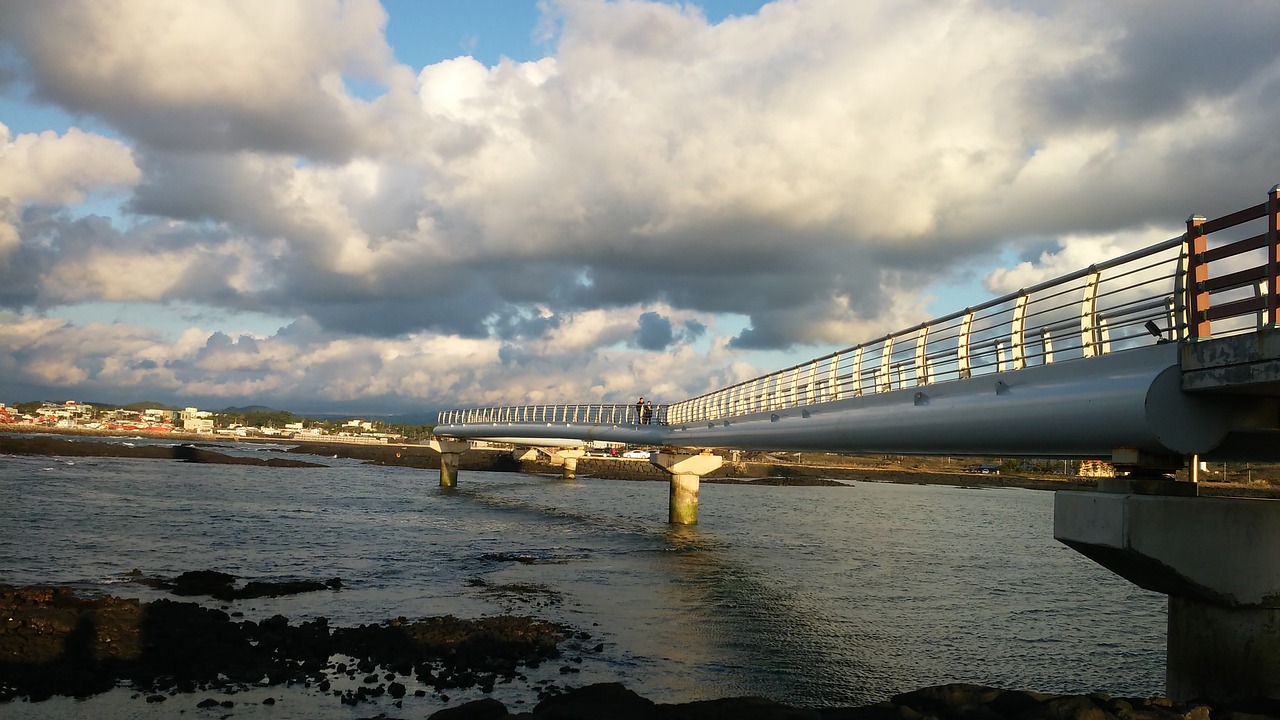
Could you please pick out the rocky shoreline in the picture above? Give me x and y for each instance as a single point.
(198, 449)
(183, 452)
(54, 642)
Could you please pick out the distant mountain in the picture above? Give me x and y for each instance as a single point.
(249, 409)
(420, 418)
(146, 405)
(400, 419)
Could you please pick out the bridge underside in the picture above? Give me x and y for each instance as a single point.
(1076, 409)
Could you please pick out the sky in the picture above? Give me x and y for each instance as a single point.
(330, 206)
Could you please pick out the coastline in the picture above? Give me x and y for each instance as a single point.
(758, 469)
(73, 635)
(56, 643)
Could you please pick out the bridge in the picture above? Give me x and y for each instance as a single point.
(1155, 361)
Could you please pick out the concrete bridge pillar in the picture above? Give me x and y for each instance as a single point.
(525, 454)
(567, 458)
(450, 454)
(685, 471)
(1216, 559)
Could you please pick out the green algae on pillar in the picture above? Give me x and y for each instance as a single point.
(686, 471)
(450, 455)
(449, 469)
(683, 502)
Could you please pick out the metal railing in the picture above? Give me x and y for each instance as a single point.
(1144, 297)
(1128, 302)
(595, 414)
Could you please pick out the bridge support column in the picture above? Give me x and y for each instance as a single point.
(450, 455)
(1215, 558)
(685, 471)
(525, 454)
(568, 460)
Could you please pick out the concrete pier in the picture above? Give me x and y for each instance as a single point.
(685, 470)
(1216, 559)
(567, 459)
(450, 454)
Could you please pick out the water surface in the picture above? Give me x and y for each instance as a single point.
(810, 596)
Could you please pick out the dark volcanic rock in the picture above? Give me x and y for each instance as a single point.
(54, 643)
(92, 448)
(221, 586)
(485, 709)
(611, 699)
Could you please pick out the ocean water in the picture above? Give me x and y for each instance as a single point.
(810, 596)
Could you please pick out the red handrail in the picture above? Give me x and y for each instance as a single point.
(1200, 287)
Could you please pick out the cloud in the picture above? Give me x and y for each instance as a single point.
(219, 76)
(303, 368)
(49, 168)
(654, 332)
(1070, 253)
(52, 169)
(576, 223)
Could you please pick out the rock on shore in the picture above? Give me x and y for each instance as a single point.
(53, 642)
(52, 446)
(944, 702)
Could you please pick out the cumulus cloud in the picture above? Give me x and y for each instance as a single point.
(654, 332)
(576, 223)
(303, 368)
(52, 169)
(1070, 253)
(216, 76)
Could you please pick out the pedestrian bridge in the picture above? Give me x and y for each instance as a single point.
(1164, 354)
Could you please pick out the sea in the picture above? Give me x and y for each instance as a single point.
(811, 596)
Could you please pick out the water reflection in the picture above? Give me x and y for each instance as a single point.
(768, 637)
(821, 596)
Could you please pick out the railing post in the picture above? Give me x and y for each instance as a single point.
(857, 371)
(811, 390)
(1197, 274)
(1016, 334)
(1046, 346)
(886, 362)
(962, 346)
(922, 356)
(833, 379)
(1088, 316)
(1273, 256)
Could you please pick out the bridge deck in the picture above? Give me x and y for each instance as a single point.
(1170, 351)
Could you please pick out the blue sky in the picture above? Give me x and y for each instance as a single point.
(424, 32)
(333, 206)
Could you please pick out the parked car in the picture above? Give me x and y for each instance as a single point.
(984, 469)
(636, 454)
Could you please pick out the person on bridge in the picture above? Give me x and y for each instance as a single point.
(648, 412)
(640, 411)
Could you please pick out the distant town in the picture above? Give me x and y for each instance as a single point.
(73, 416)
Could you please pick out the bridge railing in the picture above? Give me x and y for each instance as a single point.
(1235, 281)
(1127, 302)
(1180, 289)
(594, 414)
